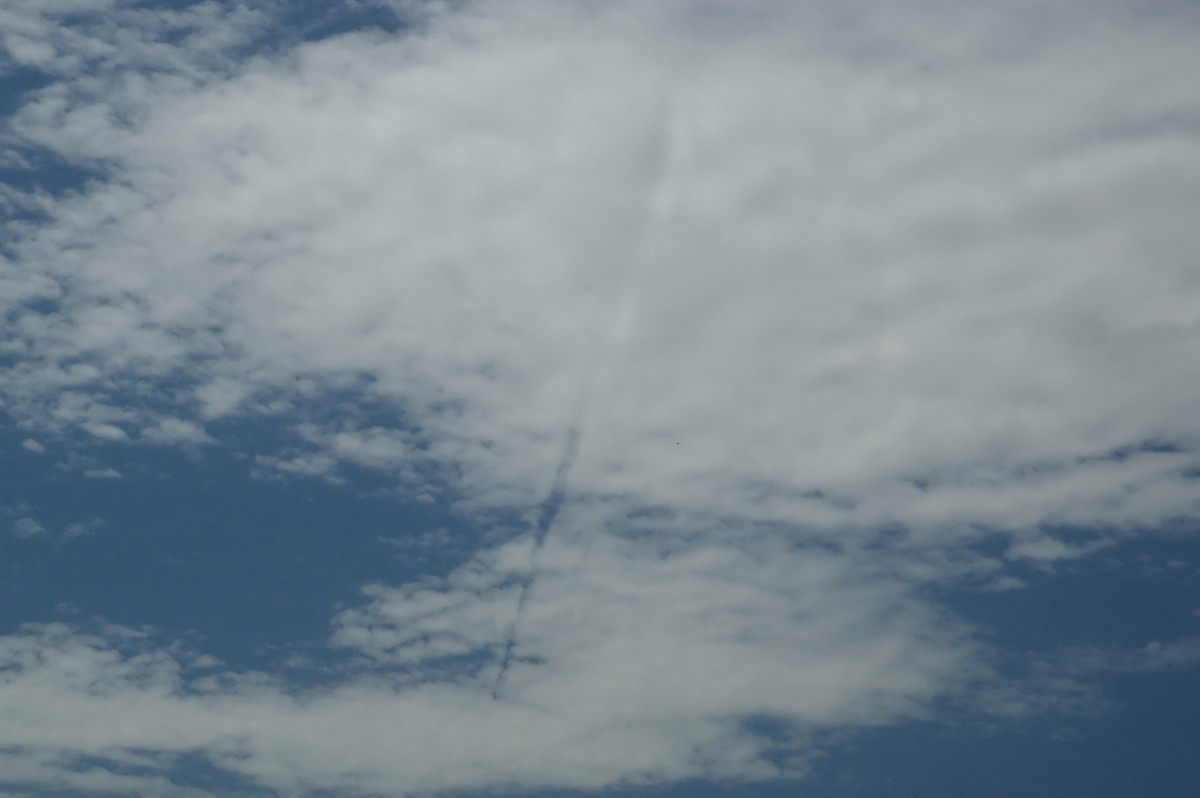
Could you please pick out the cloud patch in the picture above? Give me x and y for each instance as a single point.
(821, 277)
(817, 318)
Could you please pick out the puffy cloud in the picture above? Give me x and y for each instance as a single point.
(829, 277)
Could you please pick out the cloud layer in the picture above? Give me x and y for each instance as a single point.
(762, 320)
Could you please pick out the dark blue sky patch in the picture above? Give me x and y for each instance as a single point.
(195, 770)
(42, 306)
(1131, 749)
(15, 84)
(1143, 590)
(248, 568)
(41, 172)
(691, 788)
(187, 770)
(1124, 453)
(313, 20)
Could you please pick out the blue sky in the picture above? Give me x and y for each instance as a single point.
(634, 399)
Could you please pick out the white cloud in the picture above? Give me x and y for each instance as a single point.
(624, 668)
(690, 272)
(621, 667)
(819, 275)
(83, 528)
(176, 431)
(109, 432)
(308, 465)
(1064, 680)
(29, 444)
(708, 629)
(27, 528)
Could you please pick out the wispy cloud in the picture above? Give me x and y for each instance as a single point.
(27, 528)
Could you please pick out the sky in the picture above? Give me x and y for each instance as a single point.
(644, 399)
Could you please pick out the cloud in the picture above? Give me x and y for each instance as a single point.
(1155, 655)
(1064, 681)
(176, 431)
(707, 629)
(628, 668)
(625, 667)
(817, 304)
(80, 529)
(27, 528)
(828, 279)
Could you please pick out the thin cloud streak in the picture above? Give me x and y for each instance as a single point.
(543, 523)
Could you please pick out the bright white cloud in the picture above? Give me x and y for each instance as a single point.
(783, 267)
(825, 277)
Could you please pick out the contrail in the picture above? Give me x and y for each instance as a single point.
(595, 378)
(545, 519)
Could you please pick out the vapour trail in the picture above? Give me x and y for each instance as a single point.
(595, 378)
(545, 519)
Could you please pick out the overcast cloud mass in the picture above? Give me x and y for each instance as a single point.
(700, 353)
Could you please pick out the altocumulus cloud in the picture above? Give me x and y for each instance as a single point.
(763, 318)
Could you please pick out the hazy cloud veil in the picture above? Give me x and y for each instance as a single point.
(760, 319)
